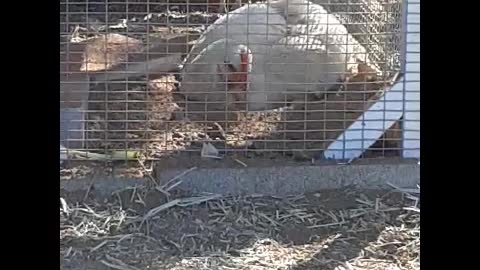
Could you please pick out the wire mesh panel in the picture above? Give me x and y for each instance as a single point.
(145, 80)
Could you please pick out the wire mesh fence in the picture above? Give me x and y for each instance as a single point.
(149, 79)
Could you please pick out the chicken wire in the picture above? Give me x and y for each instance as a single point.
(376, 24)
(144, 116)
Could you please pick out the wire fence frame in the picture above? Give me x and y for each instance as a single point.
(301, 142)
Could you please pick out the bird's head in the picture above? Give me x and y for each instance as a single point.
(237, 64)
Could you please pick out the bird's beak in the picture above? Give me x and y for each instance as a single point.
(237, 78)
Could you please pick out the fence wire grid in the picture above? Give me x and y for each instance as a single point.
(150, 79)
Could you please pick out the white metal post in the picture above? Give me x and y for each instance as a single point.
(411, 117)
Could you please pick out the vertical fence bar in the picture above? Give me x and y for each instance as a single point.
(411, 117)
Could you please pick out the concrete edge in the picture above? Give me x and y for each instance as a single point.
(279, 181)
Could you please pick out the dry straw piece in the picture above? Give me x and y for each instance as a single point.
(331, 229)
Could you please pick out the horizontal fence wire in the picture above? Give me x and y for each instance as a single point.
(146, 80)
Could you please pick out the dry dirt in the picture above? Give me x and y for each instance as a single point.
(332, 229)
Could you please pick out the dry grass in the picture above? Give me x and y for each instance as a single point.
(333, 229)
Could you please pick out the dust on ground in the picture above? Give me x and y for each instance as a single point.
(141, 228)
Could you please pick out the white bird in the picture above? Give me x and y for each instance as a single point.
(265, 79)
(274, 52)
(313, 20)
(286, 56)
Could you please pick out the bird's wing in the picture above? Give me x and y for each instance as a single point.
(251, 25)
(313, 20)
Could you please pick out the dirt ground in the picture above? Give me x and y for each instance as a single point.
(331, 229)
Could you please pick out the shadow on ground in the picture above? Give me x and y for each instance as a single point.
(139, 229)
